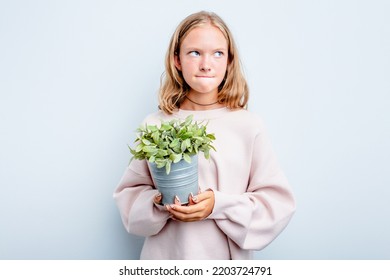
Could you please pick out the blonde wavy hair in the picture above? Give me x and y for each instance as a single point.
(233, 90)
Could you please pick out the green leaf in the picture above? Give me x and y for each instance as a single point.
(188, 120)
(187, 143)
(139, 148)
(207, 154)
(166, 126)
(150, 149)
(177, 157)
(133, 152)
(161, 153)
(160, 163)
(156, 137)
(183, 146)
(187, 135)
(174, 143)
(177, 149)
(152, 128)
(187, 158)
(163, 144)
(211, 136)
(168, 167)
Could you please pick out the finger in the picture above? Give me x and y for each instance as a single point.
(192, 199)
(180, 210)
(186, 212)
(177, 200)
(187, 217)
(158, 198)
(202, 196)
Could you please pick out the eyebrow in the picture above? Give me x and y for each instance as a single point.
(199, 49)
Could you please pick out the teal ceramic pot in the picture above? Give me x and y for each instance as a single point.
(181, 181)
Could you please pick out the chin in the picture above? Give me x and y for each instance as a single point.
(206, 90)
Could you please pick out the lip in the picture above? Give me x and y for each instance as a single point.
(201, 76)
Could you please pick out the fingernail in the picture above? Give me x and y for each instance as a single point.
(172, 206)
(194, 198)
(177, 198)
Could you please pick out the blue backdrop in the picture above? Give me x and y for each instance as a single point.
(77, 77)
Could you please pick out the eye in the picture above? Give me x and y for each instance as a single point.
(218, 54)
(194, 53)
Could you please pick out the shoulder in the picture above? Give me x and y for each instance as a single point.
(249, 119)
(245, 113)
(155, 118)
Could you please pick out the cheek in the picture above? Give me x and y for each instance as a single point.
(222, 66)
(188, 67)
(187, 72)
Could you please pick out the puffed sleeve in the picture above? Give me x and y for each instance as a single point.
(134, 197)
(255, 218)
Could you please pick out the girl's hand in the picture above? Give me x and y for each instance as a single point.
(158, 199)
(199, 208)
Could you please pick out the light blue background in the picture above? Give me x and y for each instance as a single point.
(77, 77)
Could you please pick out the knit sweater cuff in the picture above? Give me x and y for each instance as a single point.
(222, 201)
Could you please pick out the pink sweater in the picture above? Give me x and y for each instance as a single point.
(253, 200)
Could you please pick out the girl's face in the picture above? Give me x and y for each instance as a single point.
(203, 60)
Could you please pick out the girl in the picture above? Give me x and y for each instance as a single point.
(244, 200)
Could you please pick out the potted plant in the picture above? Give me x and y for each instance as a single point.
(171, 150)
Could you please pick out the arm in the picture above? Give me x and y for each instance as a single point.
(254, 219)
(134, 197)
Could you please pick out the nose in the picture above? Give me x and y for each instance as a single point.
(205, 64)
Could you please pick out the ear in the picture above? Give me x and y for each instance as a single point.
(177, 62)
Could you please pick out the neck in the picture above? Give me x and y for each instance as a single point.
(195, 105)
(202, 104)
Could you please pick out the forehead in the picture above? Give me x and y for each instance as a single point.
(205, 36)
